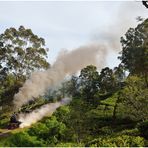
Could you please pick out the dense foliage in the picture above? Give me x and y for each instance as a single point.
(21, 52)
(108, 108)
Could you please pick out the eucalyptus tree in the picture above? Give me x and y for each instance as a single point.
(134, 55)
(22, 52)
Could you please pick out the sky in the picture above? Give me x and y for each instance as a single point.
(70, 24)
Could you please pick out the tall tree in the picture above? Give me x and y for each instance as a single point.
(120, 73)
(145, 3)
(107, 81)
(21, 51)
(133, 98)
(71, 86)
(134, 55)
(89, 82)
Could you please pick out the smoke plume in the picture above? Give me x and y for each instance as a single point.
(125, 18)
(71, 62)
(66, 63)
(38, 114)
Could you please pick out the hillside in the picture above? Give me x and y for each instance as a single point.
(55, 108)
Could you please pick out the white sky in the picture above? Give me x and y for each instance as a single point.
(71, 24)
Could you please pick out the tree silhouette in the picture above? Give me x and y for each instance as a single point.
(145, 3)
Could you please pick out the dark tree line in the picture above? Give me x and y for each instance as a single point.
(145, 3)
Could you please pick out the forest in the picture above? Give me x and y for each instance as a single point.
(108, 108)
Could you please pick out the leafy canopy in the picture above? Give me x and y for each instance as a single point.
(21, 51)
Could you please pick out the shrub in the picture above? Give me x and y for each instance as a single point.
(106, 130)
(51, 131)
(70, 145)
(62, 113)
(133, 99)
(143, 128)
(40, 130)
(23, 139)
(130, 132)
(119, 141)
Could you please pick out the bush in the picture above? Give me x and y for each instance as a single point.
(106, 130)
(133, 99)
(51, 131)
(40, 130)
(4, 123)
(130, 132)
(119, 141)
(62, 113)
(143, 128)
(23, 139)
(70, 145)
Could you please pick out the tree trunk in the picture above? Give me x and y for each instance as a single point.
(115, 109)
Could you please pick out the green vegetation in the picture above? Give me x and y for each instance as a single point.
(108, 108)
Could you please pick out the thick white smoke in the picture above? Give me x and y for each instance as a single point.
(71, 62)
(66, 63)
(38, 114)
